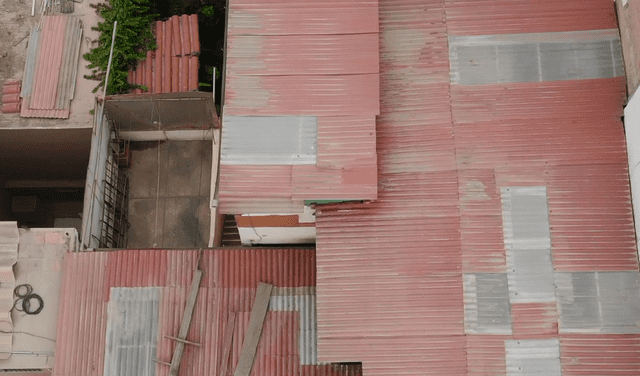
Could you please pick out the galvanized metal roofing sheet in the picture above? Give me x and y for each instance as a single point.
(95, 281)
(51, 67)
(469, 17)
(173, 66)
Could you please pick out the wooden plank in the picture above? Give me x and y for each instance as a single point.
(254, 331)
(182, 340)
(186, 323)
(226, 344)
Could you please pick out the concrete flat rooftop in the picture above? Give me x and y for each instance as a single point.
(169, 199)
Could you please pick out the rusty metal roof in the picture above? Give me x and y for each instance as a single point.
(173, 66)
(503, 220)
(51, 67)
(313, 63)
(157, 282)
(11, 101)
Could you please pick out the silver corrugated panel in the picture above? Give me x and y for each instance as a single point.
(132, 331)
(528, 244)
(486, 303)
(599, 302)
(307, 338)
(533, 357)
(269, 140)
(535, 57)
(30, 62)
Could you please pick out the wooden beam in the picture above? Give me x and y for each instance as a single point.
(254, 331)
(186, 323)
(183, 341)
(226, 343)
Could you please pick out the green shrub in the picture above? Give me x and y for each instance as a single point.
(208, 10)
(134, 37)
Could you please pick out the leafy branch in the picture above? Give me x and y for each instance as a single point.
(134, 37)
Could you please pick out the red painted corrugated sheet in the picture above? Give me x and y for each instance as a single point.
(229, 285)
(604, 354)
(486, 355)
(395, 265)
(444, 152)
(534, 320)
(471, 17)
(590, 216)
(309, 58)
(173, 66)
(286, 17)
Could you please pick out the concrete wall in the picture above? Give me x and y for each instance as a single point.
(5, 202)
(629, 20)
(632, 129)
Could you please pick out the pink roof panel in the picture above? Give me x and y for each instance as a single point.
(173, 66)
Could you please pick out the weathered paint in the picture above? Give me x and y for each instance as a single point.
(468, 17)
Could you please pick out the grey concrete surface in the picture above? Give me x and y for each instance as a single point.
(169, 194)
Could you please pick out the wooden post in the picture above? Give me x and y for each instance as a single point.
(254, 331)
(186, 323)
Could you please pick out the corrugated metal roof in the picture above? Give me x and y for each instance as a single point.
(298, 60)
(604, 354)
(100, 287)
(51, 67)
(173, 66)
(9, 239)
(445, 255)
(469, 17)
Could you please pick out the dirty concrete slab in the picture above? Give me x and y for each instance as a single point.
(179, 199)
